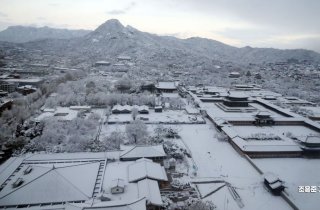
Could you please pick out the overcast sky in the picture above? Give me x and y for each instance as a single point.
(258, 23)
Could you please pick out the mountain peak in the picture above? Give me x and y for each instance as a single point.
(112, 25)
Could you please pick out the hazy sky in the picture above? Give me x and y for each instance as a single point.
(258, 23)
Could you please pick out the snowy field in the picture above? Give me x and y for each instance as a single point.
(167, 116)
(107, 129)
(219, 160)
(296, 172)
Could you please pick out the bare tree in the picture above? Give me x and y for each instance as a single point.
(136, 131)
(124, 84)
(176, 103)
(202, 205)
(134, 113)
(114, 140)
(160, 130)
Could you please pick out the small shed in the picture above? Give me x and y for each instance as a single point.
(158, 109)
(143, 109)
(27, 170)
(172, 163)
(17, 183)
(117, 186)
(126, 109)
(118, 109)
(263, 118)
(273, 183)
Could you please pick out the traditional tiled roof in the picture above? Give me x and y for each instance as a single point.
(145, 168)
(144, 152)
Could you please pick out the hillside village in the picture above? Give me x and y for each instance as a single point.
(156, 129)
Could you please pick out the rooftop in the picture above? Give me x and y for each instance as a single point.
(50, 184)
(143, 151)
(29, 80)
(145, 168)
(150, 190)
(166, 85)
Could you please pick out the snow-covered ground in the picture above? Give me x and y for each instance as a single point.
(107, 129)
(167, 116)
(218, 159)
(296, 172)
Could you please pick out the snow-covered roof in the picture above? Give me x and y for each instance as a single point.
(27, 87)
(264, 114)
(266, 146)
(143, 108)
(64, 157)
(28, 80)
(48, 184)
(229, 131)
(283, 145)
(235, 94)
(270, 97)
(272, 106)
(150, 190)
(129, 108)
(49, 110)
(122, 108)
(275, 185)
(191, 110)
(166, 85)
(145, 168)
(119, 64)
(80, 107)
(124, 57)
(243, 85)
(313, 111)
(144, 151)
(310, 139)
(271, 178)
(102, 62)
(139, 204)
(119, 170)
(117, 183)
(220, 121)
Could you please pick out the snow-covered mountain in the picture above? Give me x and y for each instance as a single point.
(112, 39)
(19, 34)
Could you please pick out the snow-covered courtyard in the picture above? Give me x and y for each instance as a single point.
(217, 159)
